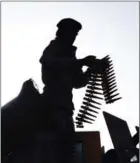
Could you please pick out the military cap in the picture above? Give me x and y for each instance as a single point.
(69, 23)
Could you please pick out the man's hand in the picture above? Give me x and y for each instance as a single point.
(97, 65)
(89, 61)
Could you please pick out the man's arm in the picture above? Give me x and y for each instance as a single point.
(51, 62)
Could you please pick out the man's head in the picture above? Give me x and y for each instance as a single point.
(68, 30)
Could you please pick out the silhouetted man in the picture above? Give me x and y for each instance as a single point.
(62, 71)
(110, 157)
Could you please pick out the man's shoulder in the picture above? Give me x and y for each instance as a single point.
(50, 50)
(53, 47)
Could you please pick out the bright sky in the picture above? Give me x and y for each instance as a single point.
(108, 28)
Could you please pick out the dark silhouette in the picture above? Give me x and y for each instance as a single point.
(136, 137)
(19, 120)
(61, 72)
(110, 157)
(124, 143)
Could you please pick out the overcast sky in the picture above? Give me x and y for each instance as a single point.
(108, 28)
